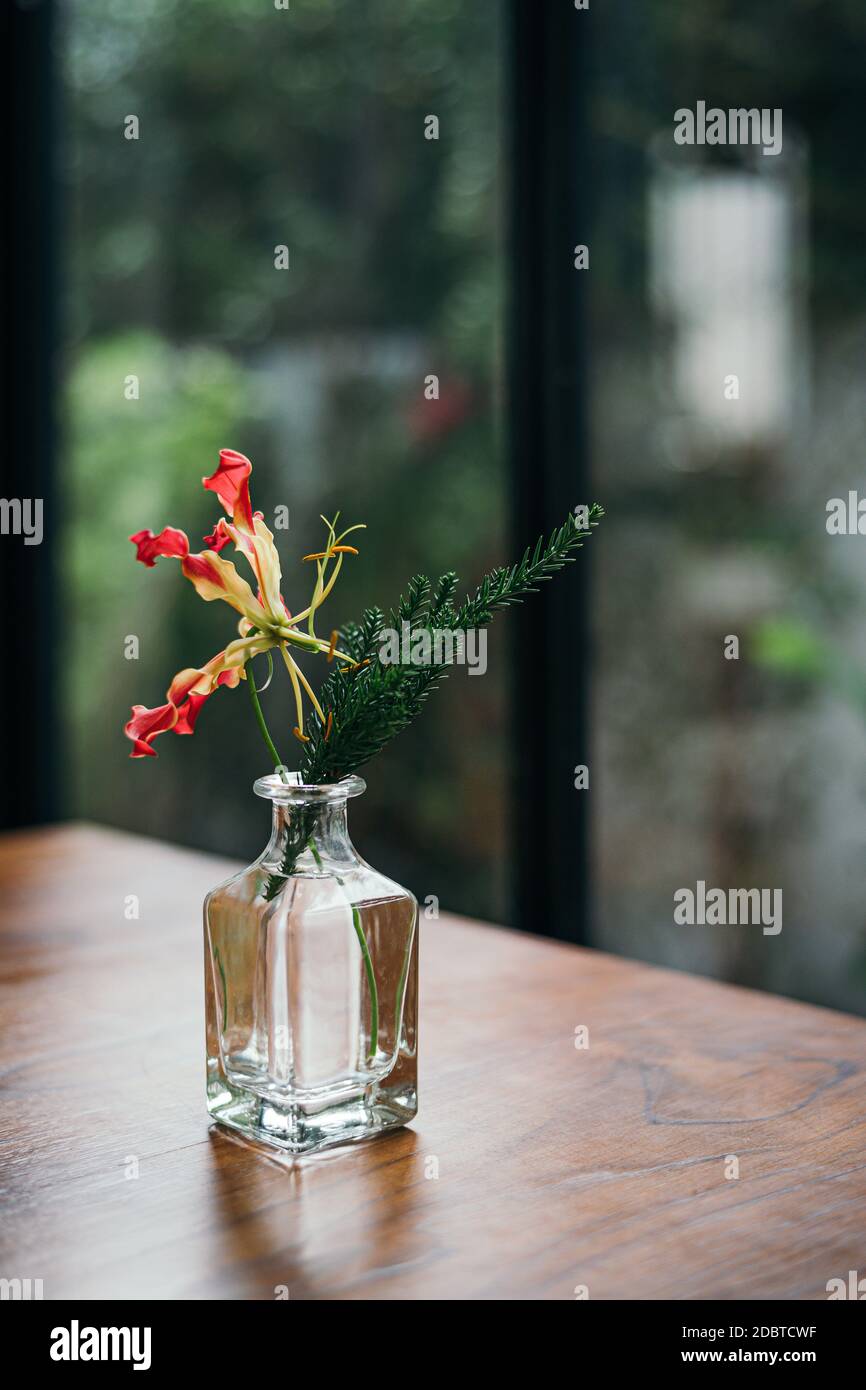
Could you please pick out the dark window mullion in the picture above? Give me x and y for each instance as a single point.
(33, 624)
(547, 169)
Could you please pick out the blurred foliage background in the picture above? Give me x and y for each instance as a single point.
(259, 128)
(305, 127)
(748, 772)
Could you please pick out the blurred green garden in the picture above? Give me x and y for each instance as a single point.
(305, 128)
(259, 128)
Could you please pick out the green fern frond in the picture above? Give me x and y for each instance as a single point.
(372, 703)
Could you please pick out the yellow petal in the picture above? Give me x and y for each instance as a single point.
(213, 577)
(267, 567)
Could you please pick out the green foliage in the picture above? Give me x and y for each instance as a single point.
(374, 702)
(303, 127)
(130, 466)
(790, 648)
(258, 126)
(793, 649)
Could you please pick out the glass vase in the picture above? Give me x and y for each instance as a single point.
(311, 963)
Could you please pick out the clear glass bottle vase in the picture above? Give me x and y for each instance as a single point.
(311, 963)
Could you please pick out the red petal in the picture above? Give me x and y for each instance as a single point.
(199, 567)
(188, 714)
(230, 483)
(170, 541)
(219, 536)
(181, 711)
(182, 685)
(144, 726)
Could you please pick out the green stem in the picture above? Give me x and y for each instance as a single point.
(404, 973)
(368, 962)
(356, 916)
(257, 710)
(371, 983)
(221, 969)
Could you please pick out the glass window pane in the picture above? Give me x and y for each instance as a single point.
(203, 136)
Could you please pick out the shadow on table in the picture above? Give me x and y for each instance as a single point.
(319, 1227)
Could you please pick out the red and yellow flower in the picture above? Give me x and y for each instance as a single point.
(265, 621)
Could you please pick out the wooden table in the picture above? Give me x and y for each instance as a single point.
(535, 1167)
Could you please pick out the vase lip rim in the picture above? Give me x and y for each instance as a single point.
(285, 788)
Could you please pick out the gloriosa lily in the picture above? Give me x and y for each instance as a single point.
(265, 621)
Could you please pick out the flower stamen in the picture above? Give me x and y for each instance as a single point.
(309, 689)
(296, 689)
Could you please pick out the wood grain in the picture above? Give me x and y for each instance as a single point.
(557, 1167)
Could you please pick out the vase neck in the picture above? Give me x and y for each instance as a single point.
(309, 831)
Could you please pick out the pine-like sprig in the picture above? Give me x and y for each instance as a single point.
(374, 702)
